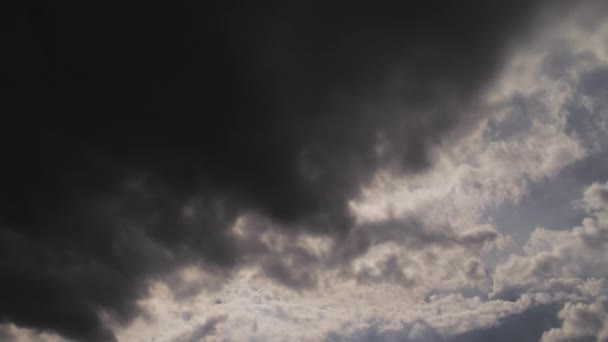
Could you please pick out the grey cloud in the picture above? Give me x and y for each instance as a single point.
(475, 270)
(527, 326)
(588, 110)
(582, 71)
(373, 331)
(135, 146)
(581, 322)
(206, 329)
(555, 267)
(296, 276)
(12, 333)
(412, 236)
(5, 333)
(416, 234)
(594, 198)
(556, 256)
(293, 265)
(595, 82)
(390, 271)
(578, 253)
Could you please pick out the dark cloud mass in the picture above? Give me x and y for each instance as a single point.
(134, 135)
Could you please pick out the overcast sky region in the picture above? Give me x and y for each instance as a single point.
(417, 171)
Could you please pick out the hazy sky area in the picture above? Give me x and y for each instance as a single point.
(304, 171)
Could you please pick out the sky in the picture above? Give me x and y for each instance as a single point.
(304, 171)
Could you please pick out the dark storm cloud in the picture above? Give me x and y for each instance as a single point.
(135, 134)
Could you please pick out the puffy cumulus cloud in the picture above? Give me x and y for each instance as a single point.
(251, 308)
(423, 258)
(566, 264)
(595, 198)
(259, 310)
(397, 251)
(566, 267)
(579, 253)
(456, 318)
(529, 134)
(524, 137)
(543, 114)
(581, 322)
(484, 170)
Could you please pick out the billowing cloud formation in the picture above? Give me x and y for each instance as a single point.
(581, 322)
(299, 171)
(557, 262)
(561, 255)
(141, 133)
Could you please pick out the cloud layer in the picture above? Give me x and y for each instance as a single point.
(305, 172)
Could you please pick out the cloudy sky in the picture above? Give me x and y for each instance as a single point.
(304, 171)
